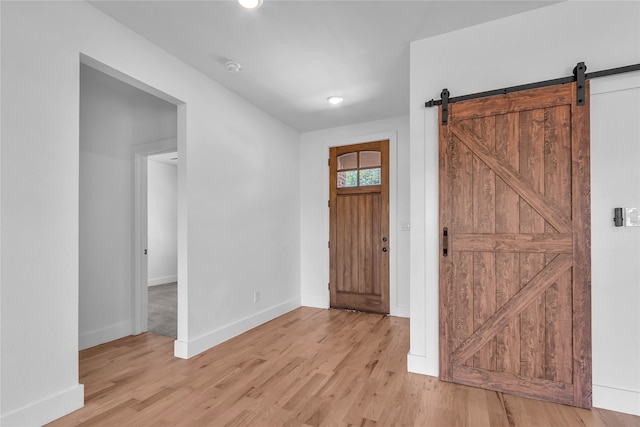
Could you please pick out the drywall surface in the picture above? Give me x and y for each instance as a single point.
(1, 136)
(162, 224)
(615, 182)
(482, 58)
(314, 193)
(238, 207)
(113, 117)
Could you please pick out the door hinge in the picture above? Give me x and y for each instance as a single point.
(329, 286)
(328, 203)
(329, 162)
(329, 244)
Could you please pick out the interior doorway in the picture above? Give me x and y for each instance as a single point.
(121, 122)
(162, 244)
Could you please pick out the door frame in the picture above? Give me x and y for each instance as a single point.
(394, 310)
(140, 154)
(179, 143)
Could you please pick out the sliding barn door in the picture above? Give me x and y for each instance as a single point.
(515, 278)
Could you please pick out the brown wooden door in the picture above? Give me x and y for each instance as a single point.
(515, 282)
(359, 230)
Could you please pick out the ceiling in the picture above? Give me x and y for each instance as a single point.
(294, 54)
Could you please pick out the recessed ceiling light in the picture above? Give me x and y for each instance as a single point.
(335, 99)
(250, 4)
(232, 67)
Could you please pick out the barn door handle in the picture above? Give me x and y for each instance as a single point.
(445, 241)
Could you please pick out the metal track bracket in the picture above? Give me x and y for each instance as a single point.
(579, 72)
(445, 106)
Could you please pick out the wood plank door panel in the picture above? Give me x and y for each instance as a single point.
(515, 280)
(359, 229)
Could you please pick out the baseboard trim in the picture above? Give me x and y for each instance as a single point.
(186, 350)
(101, 336)
(162, 280)
(417, 364)
(315, 301)
(46, 410)
(421, 365)
(615, 399)
(400, 312)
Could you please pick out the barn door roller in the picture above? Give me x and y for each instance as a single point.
(444, 95)
(579, 76)
(579, 73)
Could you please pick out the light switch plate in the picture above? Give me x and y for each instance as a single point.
(632, 217)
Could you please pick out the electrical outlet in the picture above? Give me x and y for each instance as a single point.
(256, 296)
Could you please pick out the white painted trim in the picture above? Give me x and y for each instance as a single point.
(158, 146)
(183, 247)
(1, 422)
(419, 364)
(100, 336)
(615, 399)
(140, 154)
(315, 301)
(181, 349)
(162, 280)
(400, 312)
(421, 156)
(431, 243)
(139, 239)
(393, 209)
(607, 397)
(615, 83)
(47, 409)
(139, 301)
(186, 350)
(119, 75)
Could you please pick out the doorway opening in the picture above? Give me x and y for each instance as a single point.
(122, 121)
(162, 244)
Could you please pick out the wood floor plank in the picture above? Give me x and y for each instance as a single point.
(310, 367)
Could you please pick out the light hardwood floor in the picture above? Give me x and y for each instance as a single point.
(309, 367)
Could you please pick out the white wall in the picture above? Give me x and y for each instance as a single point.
(162, 203)
(1, 137)
(238, 201)
(113, 117)
(515, 51)
(615, 182)
(314, 193)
